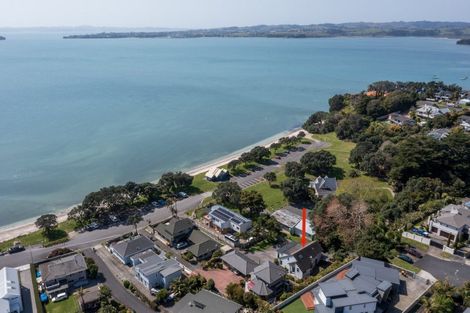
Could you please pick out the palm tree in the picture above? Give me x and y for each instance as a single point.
(134, 220)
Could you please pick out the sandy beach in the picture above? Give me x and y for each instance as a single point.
(27, 226)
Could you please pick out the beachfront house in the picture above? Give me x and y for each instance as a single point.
(226, 220)
(154, 271)
(216, 174)
(451, 222)
(267, 280)
(63, 274)
(324, 186)
(300, 262)
(366, 287)
(239, 263)
(10, 291)
(125, 249)
(175, 230)
(205, 301)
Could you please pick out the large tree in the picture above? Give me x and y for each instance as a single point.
(294, 169)
(295, 189)
(251, 203)
(318, 162)
(48, 223)
(227, 193)
(171, 182)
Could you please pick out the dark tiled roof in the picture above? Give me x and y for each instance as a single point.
(205, 302)
(128, 248)
(269, 272)
(240, 262)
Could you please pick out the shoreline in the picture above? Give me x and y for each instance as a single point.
(25, 227)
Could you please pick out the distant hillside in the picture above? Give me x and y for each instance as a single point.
(464, 42)
(393, 29)
(2, 38)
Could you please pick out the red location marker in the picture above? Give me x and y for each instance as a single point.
(304, 227)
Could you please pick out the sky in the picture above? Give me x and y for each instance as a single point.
(218, 13)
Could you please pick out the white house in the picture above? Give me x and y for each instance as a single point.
(216, 174)
(153, 271)
(439, 133)
(227, 220)
(465, 122)
(299, 261)
(451, 222)
(430, 111)
(10, 291)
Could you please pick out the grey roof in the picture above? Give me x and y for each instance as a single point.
(240, 262)
(203, 248)
(465, 118)
(9, 288)
(400, 118)
(377, 270)
(324, 185)
(260, 288)
(128, 248)
(269, 272)
(439, 133)
(156, 264)
(221, 213)
(304, 256)
(286, 218)
(454, 215)
(62, 267)
(205, 302)
(198, 237)
(174, 226)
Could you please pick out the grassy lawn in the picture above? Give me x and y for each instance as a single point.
(414, 243)
(202, 184)
(69, 305)
(273, 196)
(296, 307)
(36, 238)
(405, 265)
(340, 149)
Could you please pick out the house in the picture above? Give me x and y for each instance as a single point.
(10, 291)
(154, 271)
(451, 222)
(227, 220)
(216, 174)
(202, 246)
(175, 230)
(299, 261)
(324, 186)
(125, 249)
(465, 101)
(428, 110)
(401, 120)
(63, 274)
(205, 301)
(464, 121)
(239, 262)
(439, 133)
(366, 287)
(267, 280)
(292, 222)
(90, 299)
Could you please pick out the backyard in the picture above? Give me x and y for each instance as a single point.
(69, 305)
(296, 307)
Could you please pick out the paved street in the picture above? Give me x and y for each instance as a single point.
(456, 273)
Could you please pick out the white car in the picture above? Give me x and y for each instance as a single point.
(60, 297)
(154, 291)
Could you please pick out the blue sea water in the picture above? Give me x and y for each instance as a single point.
(76, 115)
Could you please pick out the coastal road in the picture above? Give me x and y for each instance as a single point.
(86, 240)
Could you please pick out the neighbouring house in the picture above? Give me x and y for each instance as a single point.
(205, 301)
(202, 246)
(451, 222)
(226, 220)
(154, 271)
(127, 248)
(464, 121)
(299, 261)
(10, 291)
(324, 186)
(90, 299)
(292, 223)
(366, 287)
(267, 280)
(63, 274)
(428, 110)
(464, 101)
(175, 230)
(239, 262)
(439, 133)
(216, 174)
(401, 120)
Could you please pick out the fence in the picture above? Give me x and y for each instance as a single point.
(421, 239)
(448, 249)
(296, 295)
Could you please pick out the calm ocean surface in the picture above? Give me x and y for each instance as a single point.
(76, 115)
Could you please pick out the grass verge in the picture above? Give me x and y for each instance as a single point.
(296, 307)
(405, 265)
(414, 243)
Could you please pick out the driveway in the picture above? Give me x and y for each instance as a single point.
(117, 289)
(27, 291)
(456, 273)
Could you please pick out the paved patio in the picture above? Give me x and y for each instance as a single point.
(221, 277)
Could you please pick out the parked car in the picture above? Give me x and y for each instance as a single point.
(181, 245)
(60, 297)
(182, 195)
(93, 226)
(420, 232)
(154, 291)
(16, 248)
(114, 218)
(158, 204)
(406, 258)
(414, 252)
